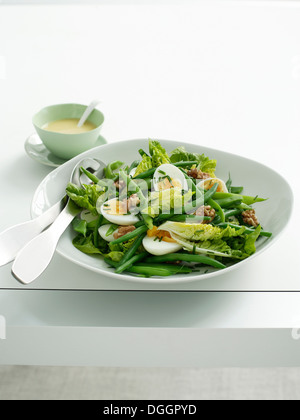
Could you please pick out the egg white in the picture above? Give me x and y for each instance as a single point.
(88, 216)
(173, 172)
(118, 219)
(132, 172)
(220, 182)
(103, 231)
(155, 247)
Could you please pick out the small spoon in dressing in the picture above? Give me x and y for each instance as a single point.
(87, 112)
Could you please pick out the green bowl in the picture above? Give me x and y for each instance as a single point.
(67, 146)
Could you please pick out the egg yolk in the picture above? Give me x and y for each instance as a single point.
(166, 184)
(116, 208)
(161, 234)
(207, 185)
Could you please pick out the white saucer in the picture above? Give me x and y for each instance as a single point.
(38, 151)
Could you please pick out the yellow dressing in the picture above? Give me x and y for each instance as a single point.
(69, 126)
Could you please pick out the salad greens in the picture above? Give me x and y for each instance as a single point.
(159, 216)
(203, 162)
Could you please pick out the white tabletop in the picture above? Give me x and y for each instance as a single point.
(222, 74)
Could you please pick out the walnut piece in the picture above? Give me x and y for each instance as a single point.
(133, 202)
(123, 230)
(197, 174)
(120, 184)
(250, 218)
(207, 211)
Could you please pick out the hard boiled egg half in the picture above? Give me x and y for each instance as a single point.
(103, 233)
(160, 242)
(116, 212)
(208, 183)
(169, 176)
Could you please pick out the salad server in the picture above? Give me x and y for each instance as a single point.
(14, 238)
(35, 256)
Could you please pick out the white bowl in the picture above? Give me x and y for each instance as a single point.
(256, 178)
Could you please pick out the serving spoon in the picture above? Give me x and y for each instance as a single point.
(35, 256)
(87, 112)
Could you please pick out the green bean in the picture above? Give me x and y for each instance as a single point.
(192, 207)
(203, 259)
(246, 199)
(236, 190)
(131, 251)
(143, 153)
(111, 262)
(93, 178)
(229, 182)
(150, 271)
(243, 206)
(150, 172)
(127, 264)
(133, 165)
(96, 233)
(174, 268)
(111, 229)
(247, 230)
(228, 202)
(218, 208)
(147, 174)
(111, 167)
(143, 201)
(188, 218)
(139, 231)
(145, 271)
(165, 216)
(191, 185)
(210, 193)
(232, 212)
(149, 182)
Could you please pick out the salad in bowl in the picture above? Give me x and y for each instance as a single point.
(165, 214)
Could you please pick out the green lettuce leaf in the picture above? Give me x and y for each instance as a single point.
(212, 240)
(117, 251)
(203, 162)
(86, 245)
(144, 165)
(249, 247)
(217, 247)
(115, 256)
(80, 226)
(158, 154)
(200, 231)
(166, 200)
(85, 198)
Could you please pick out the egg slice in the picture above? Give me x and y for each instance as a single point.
(132, 172)
(169, 176)
(103, 231)
(88, 216)
(210, 182)
(116, 212)
(155, 247)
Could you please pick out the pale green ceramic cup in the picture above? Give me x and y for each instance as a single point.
(67, 146)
